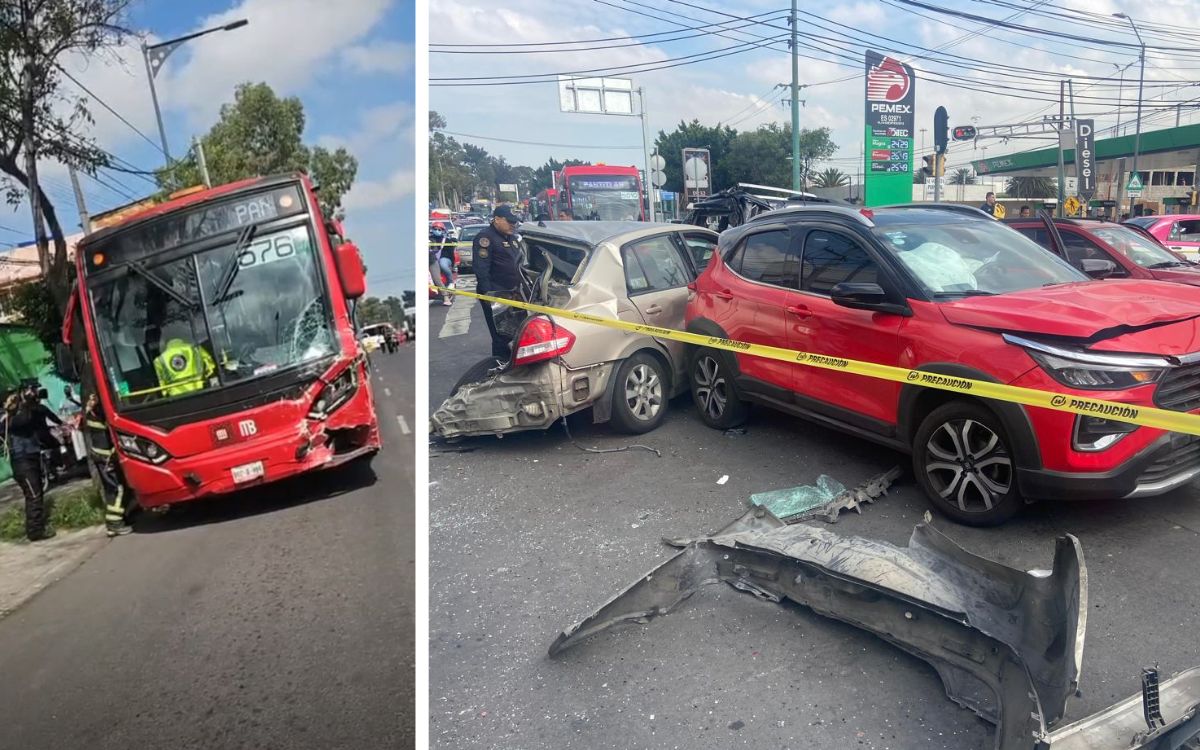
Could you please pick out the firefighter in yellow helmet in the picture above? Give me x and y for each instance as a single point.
(183, 367)
(112, 484)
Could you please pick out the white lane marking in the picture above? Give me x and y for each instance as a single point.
(458, 318)
(403, 424)
(387, 392)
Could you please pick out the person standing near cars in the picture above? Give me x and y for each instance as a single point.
(496, 259)
(23, 422)
(112, 483)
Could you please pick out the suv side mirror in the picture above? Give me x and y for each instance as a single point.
(350, 270)
(866, 296)
(1097, 268)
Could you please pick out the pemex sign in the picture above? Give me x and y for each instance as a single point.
(890, 117)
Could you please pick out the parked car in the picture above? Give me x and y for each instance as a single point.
(1180, 233)
(373, 337)
(466, 236)
(633, 271)
(1133, 253)
(452, 230)
(956, 294)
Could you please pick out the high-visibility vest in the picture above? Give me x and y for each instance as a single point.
(183, 367)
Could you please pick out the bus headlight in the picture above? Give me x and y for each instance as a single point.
(336, 393)
(142, 448)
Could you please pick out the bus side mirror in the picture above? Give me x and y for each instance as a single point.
(68, 324)
(350, 270)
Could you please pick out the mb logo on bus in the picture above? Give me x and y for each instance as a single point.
(247, 428)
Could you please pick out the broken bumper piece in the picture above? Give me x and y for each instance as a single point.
(1006, 644)
(531, 397)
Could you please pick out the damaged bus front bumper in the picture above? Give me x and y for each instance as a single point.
(1007, 644)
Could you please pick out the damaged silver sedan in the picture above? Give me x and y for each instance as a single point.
(1007, 644)
(631, 271)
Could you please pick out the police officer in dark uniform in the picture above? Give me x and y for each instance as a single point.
(496, 260)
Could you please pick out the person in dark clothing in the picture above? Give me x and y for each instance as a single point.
(112, 484)
(496, 259)
(24, 423)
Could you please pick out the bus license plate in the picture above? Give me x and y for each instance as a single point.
(247, 472)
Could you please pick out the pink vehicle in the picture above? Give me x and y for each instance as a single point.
(1179, 232)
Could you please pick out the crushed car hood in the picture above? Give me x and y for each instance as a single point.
(1083, 310)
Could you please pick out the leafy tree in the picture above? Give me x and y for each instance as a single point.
(40, 120)
(542, 179)
(761, 156)
(371, 310)
(259, 134)
(34, 306)
(1031, 187)
(962, 176)
(831, 177)
(758, 156)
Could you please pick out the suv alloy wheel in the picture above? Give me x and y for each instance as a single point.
(713, 390)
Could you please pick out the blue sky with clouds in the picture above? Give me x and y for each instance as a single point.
(738, 88)
(350, 63)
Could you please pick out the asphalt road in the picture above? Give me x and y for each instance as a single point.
(528, 534)
(281, 618)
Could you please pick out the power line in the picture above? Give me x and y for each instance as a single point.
(589, 41)
(536, 143)
(115, 113)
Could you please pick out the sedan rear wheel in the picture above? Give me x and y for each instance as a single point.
(639, 395)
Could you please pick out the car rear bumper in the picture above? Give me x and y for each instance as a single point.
(530, 397)
(1168, 463)
(350, 432)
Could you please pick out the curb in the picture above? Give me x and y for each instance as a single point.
(30, 569)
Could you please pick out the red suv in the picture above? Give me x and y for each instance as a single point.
(956, 293)
(1134, 254)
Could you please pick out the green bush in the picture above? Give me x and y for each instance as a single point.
(74, 508)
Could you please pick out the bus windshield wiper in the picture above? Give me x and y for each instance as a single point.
(140, 269)
(232, 266)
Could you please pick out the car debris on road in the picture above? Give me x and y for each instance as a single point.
(1006, 644)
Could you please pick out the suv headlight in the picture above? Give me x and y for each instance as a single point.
(1094, 371)
(142, 448)
(337, 392)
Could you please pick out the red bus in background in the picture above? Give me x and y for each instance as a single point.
(544, 203)
(220, 334)
(602, 193)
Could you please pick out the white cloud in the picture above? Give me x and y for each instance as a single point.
(380, 57)
(368, 194)
(389, 126)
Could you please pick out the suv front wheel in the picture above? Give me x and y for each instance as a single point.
(963, 460)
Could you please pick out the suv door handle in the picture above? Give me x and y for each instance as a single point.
(800, 311)
(653, 310)
(723, 294)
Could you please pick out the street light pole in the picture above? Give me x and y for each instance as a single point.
(1137, 130)
(156, 54)
(795, 103)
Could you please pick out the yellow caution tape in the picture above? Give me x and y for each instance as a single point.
(1145, 416)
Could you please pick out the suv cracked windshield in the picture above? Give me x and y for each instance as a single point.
(245, 309)
(963, 259)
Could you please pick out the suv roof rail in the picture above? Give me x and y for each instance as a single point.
(956, 207)
(828, 206)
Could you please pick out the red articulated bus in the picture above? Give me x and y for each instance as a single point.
(220, 333)
(602, 193)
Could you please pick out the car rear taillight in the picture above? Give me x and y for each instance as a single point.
(542, 339)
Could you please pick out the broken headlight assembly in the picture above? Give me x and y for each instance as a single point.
(1093, 371)
(335, 393)
(142, 448)
(1006, 644)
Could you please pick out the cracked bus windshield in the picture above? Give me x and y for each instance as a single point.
(160, 342)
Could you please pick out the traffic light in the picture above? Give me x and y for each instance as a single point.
(941, 165)
(964, 133)
(940, 120)
(930, 165)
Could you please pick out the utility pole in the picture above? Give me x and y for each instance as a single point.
(85, 221)
(1137, 130)
(29, 133)
(795, 103)
(646, 155)
(1062, 172)
(201, 161)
